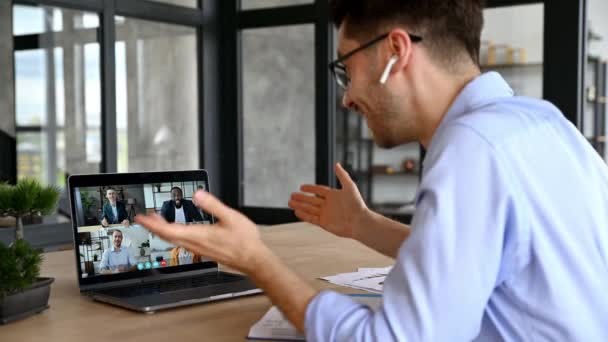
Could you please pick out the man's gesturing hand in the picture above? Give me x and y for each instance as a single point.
(337, 211)
(234, 241)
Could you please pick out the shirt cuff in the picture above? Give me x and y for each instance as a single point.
(331, 316)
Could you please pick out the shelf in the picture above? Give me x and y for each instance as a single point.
(398, 173)
(514, 65)
(388, 174)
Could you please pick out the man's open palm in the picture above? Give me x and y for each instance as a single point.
(336, 210)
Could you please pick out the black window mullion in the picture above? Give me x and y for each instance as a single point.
(510, 3)
(325, 97)
(159, 12)
(84, 5)
(109, 145)
(281, 16)
(565, 51)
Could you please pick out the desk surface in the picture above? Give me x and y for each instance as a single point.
(307, 249)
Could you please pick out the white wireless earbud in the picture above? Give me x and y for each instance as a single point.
(387, 70)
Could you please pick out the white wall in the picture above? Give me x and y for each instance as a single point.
(518, 26)
(598, 23)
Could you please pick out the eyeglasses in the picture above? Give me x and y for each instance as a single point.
(338, 69)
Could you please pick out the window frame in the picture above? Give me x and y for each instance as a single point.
(107, 10)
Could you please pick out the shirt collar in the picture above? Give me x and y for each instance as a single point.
(114, 248)
(482, 90)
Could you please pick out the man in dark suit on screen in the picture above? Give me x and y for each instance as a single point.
(114, 211)
(178, 209)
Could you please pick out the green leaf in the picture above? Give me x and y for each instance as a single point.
(47, 200)
(19, 266)
(6, 198)
(25, 194)
(28, 197)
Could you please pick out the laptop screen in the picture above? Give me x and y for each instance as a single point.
(110, 245)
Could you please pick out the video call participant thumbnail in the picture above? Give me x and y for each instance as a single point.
(117, 258)
(114, 211)
(178, 209)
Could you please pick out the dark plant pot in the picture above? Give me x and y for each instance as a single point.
(23, 304)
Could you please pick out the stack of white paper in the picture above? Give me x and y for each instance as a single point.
(274, 326)
(367, 279)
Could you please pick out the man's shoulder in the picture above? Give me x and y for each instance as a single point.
(504, 119)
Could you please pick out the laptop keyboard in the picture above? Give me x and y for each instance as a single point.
(171, 285)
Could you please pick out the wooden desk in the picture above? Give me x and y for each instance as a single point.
(307, 249)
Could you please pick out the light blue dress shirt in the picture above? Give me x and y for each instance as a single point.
(509, 239)
(113, 258)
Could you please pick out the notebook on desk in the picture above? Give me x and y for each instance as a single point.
(122, 263)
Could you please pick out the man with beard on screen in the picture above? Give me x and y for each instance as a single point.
(178, 209)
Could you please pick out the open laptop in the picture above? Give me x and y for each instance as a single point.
(122, 263)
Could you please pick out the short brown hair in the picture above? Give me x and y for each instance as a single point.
(448, 27)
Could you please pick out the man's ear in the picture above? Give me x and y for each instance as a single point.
(400, 45)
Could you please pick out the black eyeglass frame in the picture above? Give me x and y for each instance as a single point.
(339, 63)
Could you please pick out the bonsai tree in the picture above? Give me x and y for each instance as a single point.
(28, 197)
(19, 267)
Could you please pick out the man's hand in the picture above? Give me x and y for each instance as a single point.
(104, 222)
(234, 241)
(126, 223)
(337, 211)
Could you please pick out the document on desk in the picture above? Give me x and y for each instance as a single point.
(275, 327)
(367, 279)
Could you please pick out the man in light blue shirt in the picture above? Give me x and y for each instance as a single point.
(509, 240)
(117, 258)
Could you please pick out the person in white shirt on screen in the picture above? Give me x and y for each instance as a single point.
(117, 258)
(178, 209)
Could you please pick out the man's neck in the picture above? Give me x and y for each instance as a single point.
(434, 107)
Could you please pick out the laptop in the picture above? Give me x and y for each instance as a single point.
(121, 263)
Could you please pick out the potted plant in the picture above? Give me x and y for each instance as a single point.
(22, 291)
(88, 202)
(144, 248)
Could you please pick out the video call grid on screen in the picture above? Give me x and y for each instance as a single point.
(108, 240)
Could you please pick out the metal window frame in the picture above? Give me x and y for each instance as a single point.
(317, 14)
(107, 10)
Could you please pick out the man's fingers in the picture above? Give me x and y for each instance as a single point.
(157, 225)
(313, 200)
(192, 237)
(212, 205)
(319, 190)
(307, 217)
(308, 208)
(344, 177)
